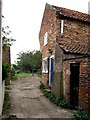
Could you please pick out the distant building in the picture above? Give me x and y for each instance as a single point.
(64, 43)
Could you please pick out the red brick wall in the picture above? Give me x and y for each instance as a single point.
(75, 31)
(6, 59)
(83, 82)
(48, 25)
(44, 80)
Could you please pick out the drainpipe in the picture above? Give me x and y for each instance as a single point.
(89, 7)
(1, 94)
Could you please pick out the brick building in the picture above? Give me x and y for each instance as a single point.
(64, 43)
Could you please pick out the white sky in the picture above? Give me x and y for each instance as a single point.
(24, 19)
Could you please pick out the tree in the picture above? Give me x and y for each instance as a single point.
(29, 61)
(6, 38)
(7, 41)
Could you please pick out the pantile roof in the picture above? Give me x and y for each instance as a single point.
(72, 14)
(74, 47)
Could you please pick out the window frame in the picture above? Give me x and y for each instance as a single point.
(45, 38)
(62, 27)
(45, 65)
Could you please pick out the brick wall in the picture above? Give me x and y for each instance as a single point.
(75, 30)
(48, 25)
(83, 82)
(6, 59)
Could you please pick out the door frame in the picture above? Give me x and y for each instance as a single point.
(52, 56)
(74, 84)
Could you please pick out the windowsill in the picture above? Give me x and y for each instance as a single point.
(44, 71)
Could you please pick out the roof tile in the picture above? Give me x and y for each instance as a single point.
(72, 14)
(74, 47)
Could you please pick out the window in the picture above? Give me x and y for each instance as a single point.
(62, 26)
(45, 65)
(45, 38)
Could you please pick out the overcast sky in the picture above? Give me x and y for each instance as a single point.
(24, 19)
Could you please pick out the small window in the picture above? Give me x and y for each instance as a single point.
(45, 65)
(45, 38)
(62, 26)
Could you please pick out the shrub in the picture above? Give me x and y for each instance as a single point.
(60, 101)
(5, 71)
(41, 86)
(81, 114)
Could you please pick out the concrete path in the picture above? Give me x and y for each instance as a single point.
(27, 101)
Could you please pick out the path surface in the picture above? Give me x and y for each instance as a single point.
(27, 101)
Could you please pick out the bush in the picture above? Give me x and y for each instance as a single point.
(5, 71)
(81, 114)
(41, 86)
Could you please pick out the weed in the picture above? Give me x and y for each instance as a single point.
(60, 101)
(6, 105)
(81, 114)
(14, 77)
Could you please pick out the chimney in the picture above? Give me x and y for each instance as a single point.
(89, 7)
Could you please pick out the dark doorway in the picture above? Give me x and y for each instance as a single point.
(51, 70)
(74, 84)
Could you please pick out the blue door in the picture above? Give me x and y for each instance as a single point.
(51, 71)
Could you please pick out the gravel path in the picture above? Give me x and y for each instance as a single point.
(27, 101)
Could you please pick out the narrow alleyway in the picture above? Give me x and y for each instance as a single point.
(27, 101)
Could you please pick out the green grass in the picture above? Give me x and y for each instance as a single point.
(38, 75)
(24, 75)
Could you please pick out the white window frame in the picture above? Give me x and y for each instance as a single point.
(45, 67)
(45, 38)
(62, 27)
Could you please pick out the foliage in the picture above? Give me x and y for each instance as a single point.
(81, 114)
(41, 87)
(6, 38)
(5, 70)
(14, 77)
(29, 61)
(6, 105)
(60, 101)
